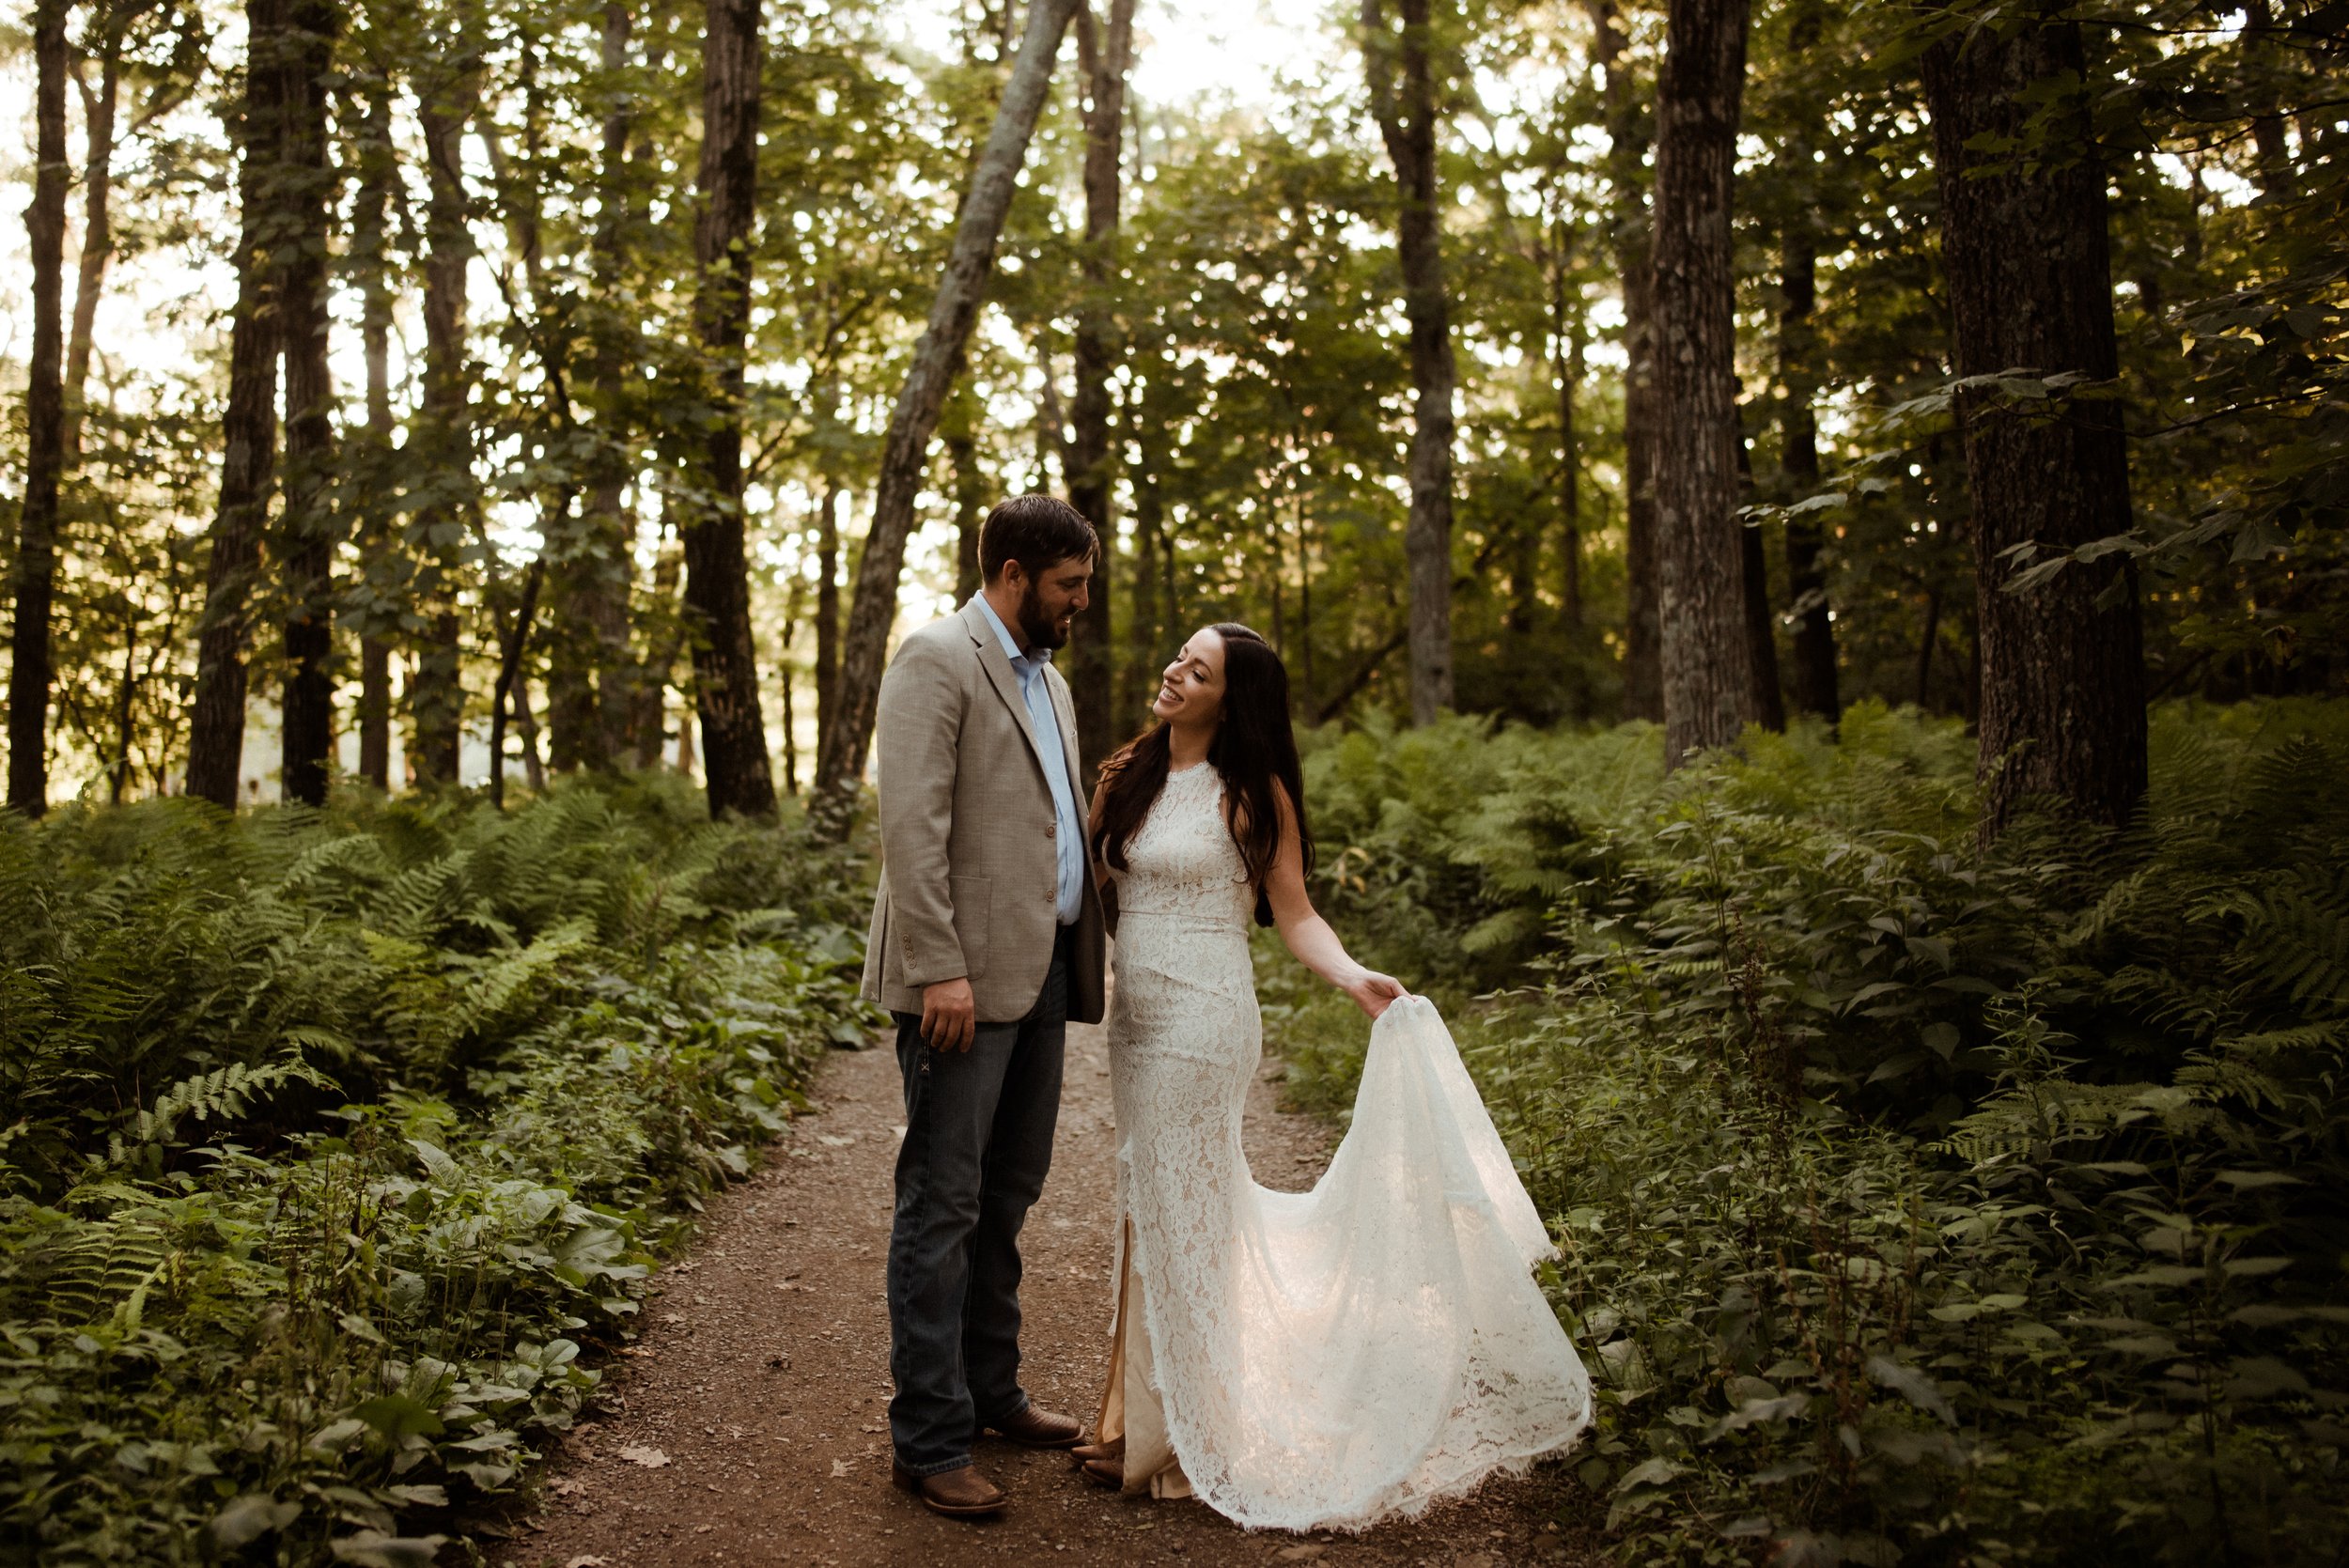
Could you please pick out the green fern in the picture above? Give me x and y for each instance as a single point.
(223, 1096)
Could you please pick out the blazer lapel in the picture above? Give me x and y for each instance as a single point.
(998, 667)
(1064, 710)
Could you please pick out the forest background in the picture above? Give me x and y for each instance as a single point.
(1808, 539)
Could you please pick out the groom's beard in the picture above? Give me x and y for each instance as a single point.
(1035, 626)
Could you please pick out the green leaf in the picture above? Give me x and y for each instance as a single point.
(1913, 1386)
(247, 1518)
(398, 1416)
(375, 1549)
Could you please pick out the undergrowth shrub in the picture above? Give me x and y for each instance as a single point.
(1919, 1202)
(329, 1141)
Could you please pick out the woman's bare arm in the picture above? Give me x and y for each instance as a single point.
(1309, 936)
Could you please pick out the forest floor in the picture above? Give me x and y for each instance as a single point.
(749, 1425)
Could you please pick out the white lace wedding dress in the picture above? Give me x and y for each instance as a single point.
(1320, 1360)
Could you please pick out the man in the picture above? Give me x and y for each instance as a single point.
(987, 939)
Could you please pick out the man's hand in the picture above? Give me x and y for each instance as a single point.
(950, 1018)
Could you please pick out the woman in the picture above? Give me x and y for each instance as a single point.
(1296, 1360)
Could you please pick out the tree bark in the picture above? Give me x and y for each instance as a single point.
(29, 671)
(308, 528)
(443, 439)
(904, 453)
(739, 778)
(1103, 62)
(249, 425)
(827, 614)
(958, 430)
(99, 106)
(1769, 703)
(649, 696)
(1566, 369)
(511, 684)
(370, 223)
(1628, 134)
(588, 648)
(2024, 250)
(1403, 101)
(1798, 456)
(1707, 659)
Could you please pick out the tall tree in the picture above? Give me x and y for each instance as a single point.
(1629, 131)
(905, 449)
(1798, 456)
(1103, 54)
(249, 425)
(586, 671)
(1565, 369)
(44, 420)
(442, 437)
(2024, 247)
(372, 465)
(1768, 704)
(827, 611)
(1707, 658)
(735, 765)
(1403, 101)
(308, 527)
(958, 432)
(100, 104)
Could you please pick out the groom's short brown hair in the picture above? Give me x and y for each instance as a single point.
(1038, 531)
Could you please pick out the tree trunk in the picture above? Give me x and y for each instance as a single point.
(2024, 247)
(44, 418)
(443, 440)
(1628, 133)
(1566, 369)
(510, 681)
(1798, 456)
(1092, 467)
(1402, 100)
(648, 698)
(827, 614)
(1707, 659)
(381, 563)
(1768, 704)
(308, 528)
(717, 570)
(249, 425)
(904, 453)
(98, 119)
(957, 429)
(588, 645)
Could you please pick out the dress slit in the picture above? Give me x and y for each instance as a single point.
(1151, 1463)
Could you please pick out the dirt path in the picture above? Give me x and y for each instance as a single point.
(749, 1425)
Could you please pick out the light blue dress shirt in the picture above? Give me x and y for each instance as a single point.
(1068, 832)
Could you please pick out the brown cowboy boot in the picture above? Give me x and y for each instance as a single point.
(962, 1494)
(1040, 1429)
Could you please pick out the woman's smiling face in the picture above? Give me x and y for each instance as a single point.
(1190, 689)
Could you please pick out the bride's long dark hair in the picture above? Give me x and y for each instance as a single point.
(1254, 749)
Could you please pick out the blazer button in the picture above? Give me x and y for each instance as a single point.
(1052, 830)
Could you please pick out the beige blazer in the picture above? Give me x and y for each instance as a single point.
(969, 882)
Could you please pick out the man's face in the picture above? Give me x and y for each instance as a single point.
(1049, 600)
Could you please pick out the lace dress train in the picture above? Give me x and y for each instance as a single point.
(1318, 1359)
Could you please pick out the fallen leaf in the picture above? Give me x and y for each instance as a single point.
(839, 1468)
(588, 1562)
(651, 1458)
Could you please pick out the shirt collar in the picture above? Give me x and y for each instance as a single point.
(1011, 644)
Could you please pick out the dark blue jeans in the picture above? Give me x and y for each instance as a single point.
(978, 1142)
